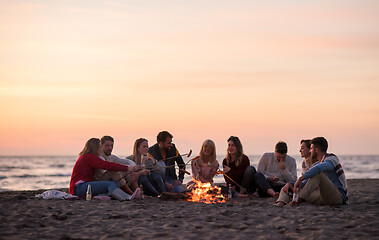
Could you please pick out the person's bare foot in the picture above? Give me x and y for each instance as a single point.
(280, 204)
(168, 186)
(242, 195)
(272, 193)
(255, 195)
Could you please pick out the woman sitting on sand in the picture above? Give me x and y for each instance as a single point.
(84, 171)
(153, 184)
(237, 170)
(204, 167)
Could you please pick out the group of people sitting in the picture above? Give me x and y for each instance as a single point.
(152, 170)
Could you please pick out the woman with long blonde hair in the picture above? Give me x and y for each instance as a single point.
(204, 167)
(83, 173)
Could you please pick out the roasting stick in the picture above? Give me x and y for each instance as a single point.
(182, 170)
(187, 163)
(186, 154)
(222, 172)
(195, 158)
(168, 166)
(186, 172)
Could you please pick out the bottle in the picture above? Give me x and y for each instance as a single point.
(294, 197)
(89, 193)
(230, 193)
(141, 187)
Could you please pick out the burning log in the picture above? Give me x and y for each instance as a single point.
(205, 193)
(173, 196)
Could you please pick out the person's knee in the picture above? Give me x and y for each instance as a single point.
(156, 177)
(250, 170)
(112, 186)
(259, 175)
(317, 177)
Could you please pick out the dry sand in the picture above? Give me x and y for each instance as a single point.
(25, 217)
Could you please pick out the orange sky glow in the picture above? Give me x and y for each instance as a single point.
(269, 71)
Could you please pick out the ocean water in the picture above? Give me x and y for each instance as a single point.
(52, 172)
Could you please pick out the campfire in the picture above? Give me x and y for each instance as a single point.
(206, 193)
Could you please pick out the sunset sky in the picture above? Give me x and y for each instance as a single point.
(263, 71)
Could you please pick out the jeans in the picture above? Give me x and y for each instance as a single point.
(263, 185)
(178, 188)
(157, 181)
(148, 188)
(248, 180)
(97, 187)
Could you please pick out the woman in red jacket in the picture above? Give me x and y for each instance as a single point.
(84, 171)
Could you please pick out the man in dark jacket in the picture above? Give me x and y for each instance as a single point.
(165, 149)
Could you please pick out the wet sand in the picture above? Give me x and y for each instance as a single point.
(25, 217)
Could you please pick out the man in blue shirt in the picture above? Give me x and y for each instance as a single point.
(326, 183)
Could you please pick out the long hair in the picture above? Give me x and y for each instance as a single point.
(212, 145)
(92, 146)
(310, 161)
(239, 153)
(136, 155)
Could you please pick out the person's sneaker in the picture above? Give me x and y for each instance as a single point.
(136, 194)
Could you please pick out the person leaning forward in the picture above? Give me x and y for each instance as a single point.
(274, 171)
(286, 193)
(165, 149)
(128, 181)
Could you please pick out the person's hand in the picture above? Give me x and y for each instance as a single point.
(146, 158)
(272, 179)
(135, 168)
(297, 185)
(281, 165)
(213, 172)
(176, 183)
(168, 186)
(226, 169)
(145, 172)
(287, 187)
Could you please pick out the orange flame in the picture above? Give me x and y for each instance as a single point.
(206, 193)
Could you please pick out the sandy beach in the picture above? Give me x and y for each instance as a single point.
(25, 217)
